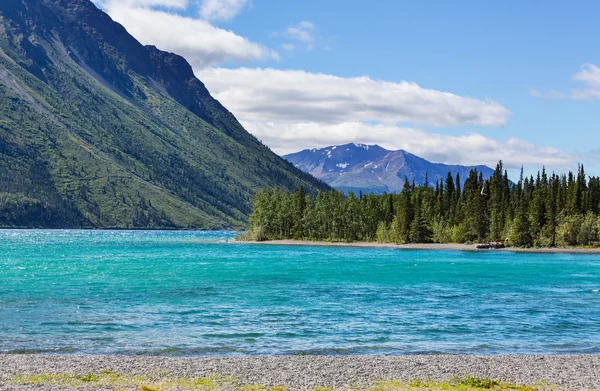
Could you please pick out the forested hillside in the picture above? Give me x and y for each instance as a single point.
(97, 130)
(548, 210)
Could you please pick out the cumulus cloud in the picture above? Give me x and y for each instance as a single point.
(588, 75)
(469, 149)
(294, 110)
(221, 9)
(258, 94)
(201, 43)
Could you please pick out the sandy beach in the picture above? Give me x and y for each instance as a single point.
(427, 246)
(572, 372)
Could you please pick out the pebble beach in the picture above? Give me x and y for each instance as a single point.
(569, 372)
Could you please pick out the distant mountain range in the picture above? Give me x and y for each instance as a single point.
(98, 131)
(371, 168)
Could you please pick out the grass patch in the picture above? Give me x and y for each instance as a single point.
(260, 387)
(478, 383)
(467, 383)
(163, 381)
(115, 381)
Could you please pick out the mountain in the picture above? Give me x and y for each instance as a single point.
(371, 168)
(97, 130)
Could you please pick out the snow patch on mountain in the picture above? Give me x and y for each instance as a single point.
(371, 168)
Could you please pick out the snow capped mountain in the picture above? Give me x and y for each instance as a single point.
(371, 168)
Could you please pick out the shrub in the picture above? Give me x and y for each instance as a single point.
(588, 232)
(568, 229)
(383, 234)
(442, 232)
(459, 233)
(255, 233)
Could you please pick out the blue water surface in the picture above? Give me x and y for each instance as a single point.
(197, 293)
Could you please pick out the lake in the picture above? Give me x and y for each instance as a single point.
(196, 293)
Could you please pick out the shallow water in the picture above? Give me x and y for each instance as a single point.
(193, 293)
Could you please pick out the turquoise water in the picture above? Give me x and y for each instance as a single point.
(193, 293)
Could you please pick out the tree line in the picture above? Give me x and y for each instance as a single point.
(543, 211)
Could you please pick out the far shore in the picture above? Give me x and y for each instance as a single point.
(426, 246)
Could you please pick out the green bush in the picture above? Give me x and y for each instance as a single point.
(384, 234)
(442, 232)
(568, 230)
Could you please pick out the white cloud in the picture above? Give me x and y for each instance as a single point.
(269, 94)
(469, 149)
(175, 4)
(303, 32)
(589, 75)
(221, 9)
(197, 40)
(294, 110)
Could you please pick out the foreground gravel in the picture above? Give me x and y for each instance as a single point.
(575, 372)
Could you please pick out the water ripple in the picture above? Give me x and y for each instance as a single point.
(196, 293)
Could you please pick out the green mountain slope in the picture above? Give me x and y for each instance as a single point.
(97, 130)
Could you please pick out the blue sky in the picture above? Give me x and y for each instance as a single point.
(457, 82)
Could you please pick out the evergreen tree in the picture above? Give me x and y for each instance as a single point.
(404, 215)
(537, 211)
(298, 213)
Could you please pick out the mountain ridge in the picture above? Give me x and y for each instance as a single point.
(371, 168)
(99, 131)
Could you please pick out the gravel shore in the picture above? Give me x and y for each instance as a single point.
(573, 372)
(426, 246)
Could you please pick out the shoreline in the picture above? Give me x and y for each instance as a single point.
(426, 246)
(572, 372)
